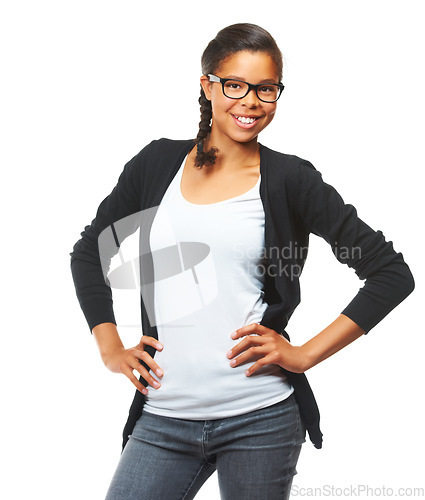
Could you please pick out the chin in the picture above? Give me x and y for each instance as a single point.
(245, 139)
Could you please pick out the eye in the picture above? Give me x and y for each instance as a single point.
(267, 89)
(235, 89)
(233, 85)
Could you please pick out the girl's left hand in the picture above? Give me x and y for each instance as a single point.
(266, 347)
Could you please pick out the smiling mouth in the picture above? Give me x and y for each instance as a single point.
(246, 120)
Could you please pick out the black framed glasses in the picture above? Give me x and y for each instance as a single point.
(238, 89)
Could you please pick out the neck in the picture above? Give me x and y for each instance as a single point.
(233, 155)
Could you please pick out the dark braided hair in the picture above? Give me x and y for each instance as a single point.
(232, 39)
(202, 157)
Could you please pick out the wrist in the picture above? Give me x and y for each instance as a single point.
(109, 354)
(108, 340)
(306, 357)
(332, 339)
(300, 360)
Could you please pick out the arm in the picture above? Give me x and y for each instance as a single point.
(388, 280)
(93, 289)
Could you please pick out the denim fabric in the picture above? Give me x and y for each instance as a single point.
(255, 455)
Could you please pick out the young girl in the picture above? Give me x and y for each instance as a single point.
(223, 241)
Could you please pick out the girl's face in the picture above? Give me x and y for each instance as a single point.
(252, 67)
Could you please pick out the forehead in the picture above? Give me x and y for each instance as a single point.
(249, 66)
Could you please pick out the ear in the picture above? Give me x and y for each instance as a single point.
(206, 85)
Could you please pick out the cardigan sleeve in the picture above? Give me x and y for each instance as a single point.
(92, 287)
(388, 279)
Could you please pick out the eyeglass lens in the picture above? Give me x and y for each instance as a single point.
(236, 90)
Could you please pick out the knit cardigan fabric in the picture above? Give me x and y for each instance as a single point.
(296, 202)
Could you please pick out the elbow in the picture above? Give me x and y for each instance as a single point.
(398, 281)
(405, 282)
(409, 282)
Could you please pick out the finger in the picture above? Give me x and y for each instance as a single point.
(146, 358)
(246, 343)
(267, 360)
(145, 340)
(251, 354)
(135, 365)
(135, 381)
(249, 329)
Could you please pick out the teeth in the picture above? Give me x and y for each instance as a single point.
(242, 119)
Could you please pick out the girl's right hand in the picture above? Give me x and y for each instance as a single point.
(125, 361)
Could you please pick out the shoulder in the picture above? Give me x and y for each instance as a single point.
(166, 147)
(287, 171)
(301, 182)
(283, 163)
(159, 152)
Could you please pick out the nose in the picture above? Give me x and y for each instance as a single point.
(251, 100)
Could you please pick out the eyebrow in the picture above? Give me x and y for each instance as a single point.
(234, 77)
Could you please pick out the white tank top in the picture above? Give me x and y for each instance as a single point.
(208, 282)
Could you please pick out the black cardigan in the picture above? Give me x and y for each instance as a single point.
(296, 202)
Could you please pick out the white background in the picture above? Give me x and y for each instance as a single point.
(85, 85)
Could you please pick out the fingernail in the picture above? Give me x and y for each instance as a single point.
(233, 362)
(156, 384)
(229, 353)
(247, 373)
(233, 335)
(145, 392)
(159, 346)
(159, 372)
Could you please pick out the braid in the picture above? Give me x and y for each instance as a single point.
(202, 157)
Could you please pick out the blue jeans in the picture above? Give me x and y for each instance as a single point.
(255, 455)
